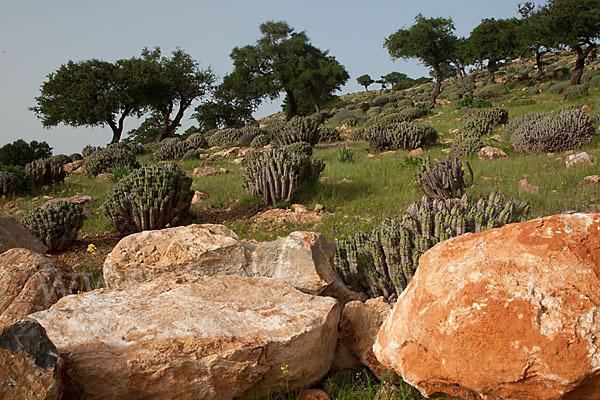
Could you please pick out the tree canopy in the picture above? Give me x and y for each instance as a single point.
(430, 40)
(365, 80)
(20, 153)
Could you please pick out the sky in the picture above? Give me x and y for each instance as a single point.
(37, 37)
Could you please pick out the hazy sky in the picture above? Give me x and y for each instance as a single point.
(36, 37)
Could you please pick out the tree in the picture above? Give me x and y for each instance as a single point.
(95, 93)
(577, 25)
(20, 153)
(365, 80)
(179, 81)
(494, 40)
(283, 60)
(460, 57)
(431, 40)
(536, 34)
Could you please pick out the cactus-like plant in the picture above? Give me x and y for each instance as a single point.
(553, 132)
(45, 171)
(102, 160)
(259, 141)
(9, 183)
(173, 149)
(359, 134)
(89, 149)
(466, 143)
(404, 135)
(383, 262)
(56, 224)
(225, 137)
(277, 173)
(198, 140)
(329, 134)
(298, 129)
(76, 157)
(151, 197)
(444, 179)
(495, 116)
(248, 133)
(476, 124)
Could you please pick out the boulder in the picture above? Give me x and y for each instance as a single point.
(303, 259)
(199, 172)
(580, 159)
(416, 152)
(525, 186)
(13, 234)
(73, 166)
(29, 363)
(219, 337)
(490, 153)
(313, 394)
(359, 326)
(511, 313)
(198, 197)
(82, 200)
(591, 180)
(31, 282)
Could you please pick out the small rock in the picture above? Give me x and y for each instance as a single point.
(490, 153)
(299, 208)
(497, 138)
(14, 234)
(226, 152)
(525, 186)
(447, 141)
(318, 208)
(82, 200)
(569, 152)
(389, 152)
(237, 160)
(558, 159)
(73, 166)
(102, 178)
(591, 180)
(198, 197)
(388, 391)
(313, 394)
(370, 155)
(453, 131)
(447, 150)
(550, 154)
(416, 152)
(208, 171)
(579, 159)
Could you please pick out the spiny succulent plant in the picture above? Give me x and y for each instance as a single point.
(248, 133)
(102, 160)
(276, 174)
(359, 134)
(466, 143)
(89, 149)
(298, 129)
(198, 140)
(259, 141)
(329, 134)
(45, 171)
(225, 137)
(151, 197)
(173, 149)
(9, 183)
(477, 124)
(56, 224)
(76, 157)
(403, 135)
(383, 262)
(495, 116)
(444, 179)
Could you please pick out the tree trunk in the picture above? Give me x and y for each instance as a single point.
(580, 63)
(366, 88)
(317, 108)
(491, 67)
(538, 64)
(293, 106)
(438, 87)
(118, 128)
(116, 135)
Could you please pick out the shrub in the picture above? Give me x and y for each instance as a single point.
(404, 103)
(444, 179)
(558, 87)
(495, 116)
(76, 157)
(300, 147)
(491, 91)
(198, 140)
(587, 76)
(381, 100)
(191, 154)
(115, 174)
(259, 141)
(89, 149)
(248, 133)
(560, 73)
(477, 124)
(595, 82)
(466, 143)
(522, 120)
(45, 171)
(24, 180)
(526, 101)
(329, 134)
(9, 184)
(56, 224)
(341, 116)
(359, 134)
(225, 137)
(403, 135)
(298, 129)
(554, 132)
(173, 149)
(576, 92)
(62, 159)
(113, 155)
(345, 155)
(21, 153)
(277, 173)
(151, 197)
(383, 262)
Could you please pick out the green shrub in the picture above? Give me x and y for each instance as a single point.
(345, 154)
(525, 101)
(298, 129)
(359, 134)
(404, 103)
(248, 133)
(403, 135)
(491, 91)
(115, 174)
(444, 179)
(198, 140)
(76, 157)
(173, 149)
(554, 132)
(56, 224)
(62, 159)
(225, 137)
(329, 134)
(558, 87)
(276, 174)
(576, 92)
(466, 143)
(587, 76)
(595, 82)
(560, 73)
(495, 116)
(299, 147)
(341, 116)
(259, 141)
(522, 120)
(89, 149)
(10, 184)
(115, 154)
(381, 100)
(151, 197)
(477, 124)
(21, 153)
(45, 171)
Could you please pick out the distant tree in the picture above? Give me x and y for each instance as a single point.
(95, 93)
(178, 83)
(394, 78)
(365, 80)
(282, 61)
(494, 40)
(536, 34)
(577, 25)
(461, 56)
(20, 153)
(431, 40)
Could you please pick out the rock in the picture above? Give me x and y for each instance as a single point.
(389, 152)
(303, 259)
(370, 155)
(29, 363)
(237, 160)
(73, 166)
(31, 282)
(313, 394)
(447, 150)
(208, 171)
(299, 208)
(506, 313)
(220, 337)
(497, 138)
(569, 152)
(591, 180)
(490, 153)
(226, 152)
(388, 391)
(550, 154)
(82, 200)
(416, 152)
(359, 326)
(447, 141)
(525, 186)
(318, 208)
(579, 159)
(13, 234)
(198, 197)
(102, 178)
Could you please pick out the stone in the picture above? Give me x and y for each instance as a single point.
(358, 329)
(299, 208)
(29, 363)
(102, 178)
(219, 337)
(447, 141)
(569, 152)
(388, 391)
(591, 180)
(490, 153)
(506, 313)
(31, 282)
(73, 166)
(416, 152)
(389, 152)
(198, 197)
(370, 155)
(580, 159)
(13, 234)
(497, 138)
(82, 200)
(447, 150)
(302, 259)
(226, 152)
(318, 208)
(550, 154)
(237, 160)
(208, 171)
(313, 394)
(525, 186)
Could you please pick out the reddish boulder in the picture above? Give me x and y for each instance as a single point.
(507, 313)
